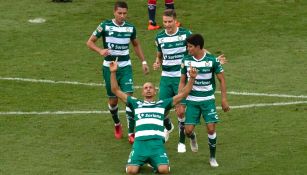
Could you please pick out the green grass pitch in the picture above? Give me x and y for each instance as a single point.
(264, 41)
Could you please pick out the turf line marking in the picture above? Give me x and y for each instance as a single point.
(122, 111)
(138, 87)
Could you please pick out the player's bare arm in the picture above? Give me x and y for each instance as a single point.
(114, 85)
(221, 79)
(138, 51)
(184, 91)
(91, 43)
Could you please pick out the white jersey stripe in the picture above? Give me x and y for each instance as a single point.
(198, 63)
(194, 98)
(120, 63)
(149, 133)
(145, 121)
(119, 29)
(202, 88)
(171, 74)
(175, 50)
(171, 62)
(119, 52)
(204, 76)
(111, 39)
(149, 110)
(172, 39)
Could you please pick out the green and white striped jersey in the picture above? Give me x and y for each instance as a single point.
(173, 49)
(149, 117)
(204, 85)
(117, 39)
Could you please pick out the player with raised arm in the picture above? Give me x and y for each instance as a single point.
(149, 114)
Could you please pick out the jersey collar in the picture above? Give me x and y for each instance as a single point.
(113, 20)
(172, 34)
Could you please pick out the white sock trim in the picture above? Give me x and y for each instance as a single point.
(213, 136)
(112, 108)
(181, 119)
(128, 109)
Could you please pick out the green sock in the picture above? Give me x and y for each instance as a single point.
(167, 123)
(212, 144)
(191, 136)
(114, 113)
(130, 120)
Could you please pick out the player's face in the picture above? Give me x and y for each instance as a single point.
(120, 15)
(149, 90)
(169, 24)
(191, 49)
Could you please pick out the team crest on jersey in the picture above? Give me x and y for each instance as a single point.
(182, 65)
(140, 104)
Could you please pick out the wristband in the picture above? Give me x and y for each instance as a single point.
(144, 62)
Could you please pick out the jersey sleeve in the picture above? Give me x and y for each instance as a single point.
(168, 104)
(183, 67)
(99, 30)
(189, 33)
(131, 102)
(133, 35)
(158, 46)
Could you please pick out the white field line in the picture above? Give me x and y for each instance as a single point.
(121, 111)
(137, 87)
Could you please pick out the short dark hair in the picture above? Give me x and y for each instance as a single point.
(196, 40)
(170, 13)
(120, 4)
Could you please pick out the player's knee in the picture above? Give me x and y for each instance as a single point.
(180, 114)
(188, 131)
(163, 169)
(180, 110)
(211, 132)
(131, 170)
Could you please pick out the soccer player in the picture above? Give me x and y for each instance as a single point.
(201, 100)
(148, 146)
(171, 48)
(116, 35)
(152, 25)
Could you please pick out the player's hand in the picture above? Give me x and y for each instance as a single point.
(113, 65)
(156, 65)
(225, 106)
(145, 69)
(193, 72)
(222, 59)
(104, 52)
